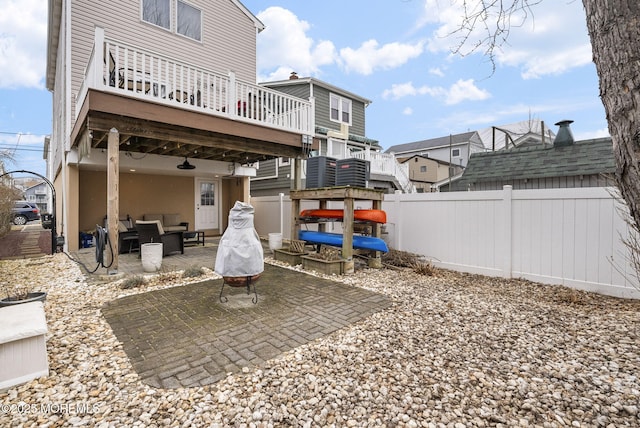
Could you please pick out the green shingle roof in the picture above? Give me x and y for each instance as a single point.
(581, 158)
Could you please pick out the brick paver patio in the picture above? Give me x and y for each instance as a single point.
(184, 336)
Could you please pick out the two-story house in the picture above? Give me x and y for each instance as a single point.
(455, 149)
(156, 109)
(39, 194)
(340, 119)
(425, 172)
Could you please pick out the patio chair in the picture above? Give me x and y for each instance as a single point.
(152, 231)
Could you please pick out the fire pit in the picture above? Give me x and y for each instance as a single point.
(240, 259)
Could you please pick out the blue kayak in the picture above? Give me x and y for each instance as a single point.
(335, 239)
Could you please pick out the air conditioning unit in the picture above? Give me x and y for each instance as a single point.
(353, 172)
(321, 172)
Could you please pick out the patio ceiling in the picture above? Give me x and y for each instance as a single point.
(150, 128)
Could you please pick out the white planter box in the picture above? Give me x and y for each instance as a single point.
(23, 349)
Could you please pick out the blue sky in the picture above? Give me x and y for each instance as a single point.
(397, 53)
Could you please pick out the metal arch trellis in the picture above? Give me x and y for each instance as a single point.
(54, 234)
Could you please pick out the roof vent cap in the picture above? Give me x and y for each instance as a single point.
(564, 137)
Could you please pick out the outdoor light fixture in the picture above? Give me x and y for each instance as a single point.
(186, 165)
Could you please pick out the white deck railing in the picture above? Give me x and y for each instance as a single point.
(124, 69)
(387, 164)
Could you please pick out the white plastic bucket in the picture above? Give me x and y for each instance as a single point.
(151, 255)
(275, 241)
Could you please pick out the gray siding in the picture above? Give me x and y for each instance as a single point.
(228, 36)
(323, 113)
(301, 91)
(267, 168)
(322, 106)
(271, 186)
(594, 180)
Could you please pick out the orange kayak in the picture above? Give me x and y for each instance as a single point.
(376, 216)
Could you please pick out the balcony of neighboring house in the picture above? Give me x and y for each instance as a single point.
(167, 107)
(385, 165)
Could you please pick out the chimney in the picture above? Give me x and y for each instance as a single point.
(293, 75)
(564, 137)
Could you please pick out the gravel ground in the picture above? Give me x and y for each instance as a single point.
(453, 350)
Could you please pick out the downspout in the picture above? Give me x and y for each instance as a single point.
(67, 123)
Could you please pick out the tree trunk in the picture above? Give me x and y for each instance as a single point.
(614, 29)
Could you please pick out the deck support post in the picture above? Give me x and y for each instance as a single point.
(113, 186)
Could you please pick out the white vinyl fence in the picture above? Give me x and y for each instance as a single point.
(572, 237)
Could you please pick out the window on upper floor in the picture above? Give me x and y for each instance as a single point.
(423, 168)
(189, 21)
(157, 12)
(340, 109)
(455, 153)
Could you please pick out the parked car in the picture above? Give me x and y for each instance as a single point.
(24, 211)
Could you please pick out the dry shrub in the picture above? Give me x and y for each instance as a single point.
(424, 268)
(327, 253)
(133, 282)
(193, 272)
(7, 196)
(400, 258)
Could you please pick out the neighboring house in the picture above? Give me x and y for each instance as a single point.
(339, 132)
(454, 149)
(38, 194)
(157, 110)
(425, 172)
(565, 163)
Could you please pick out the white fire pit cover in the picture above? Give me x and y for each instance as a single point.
(240, 251)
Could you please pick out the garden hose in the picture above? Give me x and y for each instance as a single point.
(102, 238)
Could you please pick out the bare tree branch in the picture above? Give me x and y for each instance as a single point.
(490, 23)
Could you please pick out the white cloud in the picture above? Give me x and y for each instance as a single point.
(587, 135)
(465, 90)
(370, 56)
(551, 38)
(408, 111)
(284, 46)
(473, 118)
(23, 38)
(436, 71)
(401, 90)
(550, 63)
(462, 90)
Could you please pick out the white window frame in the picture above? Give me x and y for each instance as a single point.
(453, 153)
(178, 2)
(154, 23)
(284, 161)
(340, 101)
